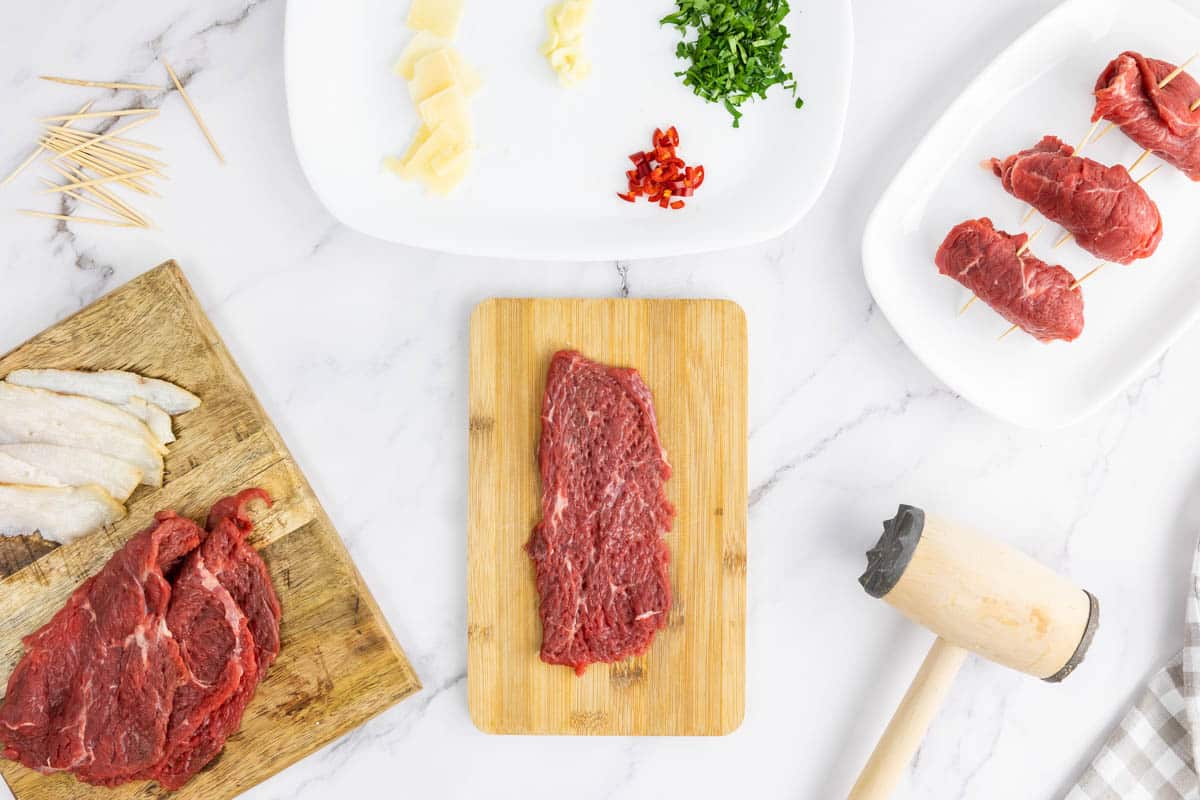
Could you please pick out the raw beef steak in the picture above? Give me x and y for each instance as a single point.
(94, 690)
(244, 575)
(225, 602)
(599, 553)
(149, 667)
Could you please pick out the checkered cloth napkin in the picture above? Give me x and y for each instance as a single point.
(1152, 753)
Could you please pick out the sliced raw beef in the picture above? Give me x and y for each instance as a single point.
(599, 553)
(242, 572)
(1158, 119)
(1109, 214)
(149, 667)
(218, 651)
(1021, 288)
(94, 690)
(224, 595)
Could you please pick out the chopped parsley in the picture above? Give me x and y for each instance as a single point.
(737, 52)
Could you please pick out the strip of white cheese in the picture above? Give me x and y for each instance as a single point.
(53, 465)
(34, 416)
(111, 386)
(59, 514)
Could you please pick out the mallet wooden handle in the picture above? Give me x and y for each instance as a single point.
(906, 730)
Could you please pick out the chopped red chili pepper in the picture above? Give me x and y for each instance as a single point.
(659, 174)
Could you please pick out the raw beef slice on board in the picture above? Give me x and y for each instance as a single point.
(148, 668)
(599, 554)
(112, 632)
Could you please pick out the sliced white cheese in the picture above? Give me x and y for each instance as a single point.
(80, 406)
(400, 166)
(421, 45)
(13, 470)
(439, 17)
(571, 16)
(111, 386)
(157, 420)
(34, 416)
(59, 514)
(447, 171)
(468, 77)
(54, 465)
(447, 107)
(445, 139)
(565, 22)
(432, 74)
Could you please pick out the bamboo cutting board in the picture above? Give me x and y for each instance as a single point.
(692, 354)
(339, 664)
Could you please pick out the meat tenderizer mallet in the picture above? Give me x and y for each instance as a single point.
(978, 596)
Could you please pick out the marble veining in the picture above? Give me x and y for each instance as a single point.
(845, 423)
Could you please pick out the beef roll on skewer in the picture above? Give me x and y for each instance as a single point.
(1107, 212)
(1155, 104)
(1041, 299)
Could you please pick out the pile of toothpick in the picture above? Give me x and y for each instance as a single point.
(96, 163)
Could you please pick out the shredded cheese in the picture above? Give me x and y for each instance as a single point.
(564, 43)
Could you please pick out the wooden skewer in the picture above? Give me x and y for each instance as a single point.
(117, 139)
(93, 203)
(120, 112)
(122, 176)
(1020, 252)
(83, 137)
(118, 207)
(1138, 162)
(69, 218)
(195, 113)
(105, 136)
(1093, 271)
(105, 153)
(97, 163)
(114, 139)
(33, 156)
(103, 84)
(88, 161)
(125, 209)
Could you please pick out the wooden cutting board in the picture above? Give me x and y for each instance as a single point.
(692, 354)
(339, 664)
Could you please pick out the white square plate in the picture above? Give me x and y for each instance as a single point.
(1040, 85)
(551, 160)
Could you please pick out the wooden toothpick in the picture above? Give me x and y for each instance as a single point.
(141, 87)
(33, 156)
(195, 113)
(120, 112)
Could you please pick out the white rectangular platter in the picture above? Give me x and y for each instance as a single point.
(550, 160)
(1042, 84)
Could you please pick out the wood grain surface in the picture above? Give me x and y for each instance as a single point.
(692, 354)
(339, 664)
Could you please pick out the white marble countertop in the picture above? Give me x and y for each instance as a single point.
(845, 423)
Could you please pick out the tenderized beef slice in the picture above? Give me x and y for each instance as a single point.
(217, 650)
(147, 678)
(224, 560)
(92, 693)
(600, 558)
(244, 574)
